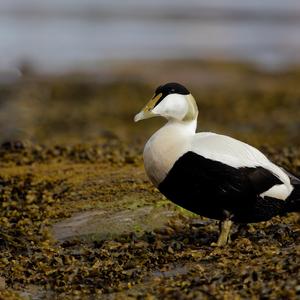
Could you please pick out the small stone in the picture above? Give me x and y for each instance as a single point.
(170, 250)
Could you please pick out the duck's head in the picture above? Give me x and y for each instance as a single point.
(172, 101)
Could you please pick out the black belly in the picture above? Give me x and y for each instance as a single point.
(216, 190)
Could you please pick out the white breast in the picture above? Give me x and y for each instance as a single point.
(165, 147)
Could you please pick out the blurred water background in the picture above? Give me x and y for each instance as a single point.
(66, 35)
(74, 70)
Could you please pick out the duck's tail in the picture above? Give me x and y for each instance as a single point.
(293, 201)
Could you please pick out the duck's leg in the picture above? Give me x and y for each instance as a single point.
(224, 236)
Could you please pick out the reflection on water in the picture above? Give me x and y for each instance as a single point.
(64, 34)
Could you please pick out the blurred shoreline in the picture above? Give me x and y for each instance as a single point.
(257, 106)
(194, 72)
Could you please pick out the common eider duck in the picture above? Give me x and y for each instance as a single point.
(210, 174)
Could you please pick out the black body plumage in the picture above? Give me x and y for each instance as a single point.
(216, 190)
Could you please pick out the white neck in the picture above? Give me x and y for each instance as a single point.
(189, 127)
(166, 146)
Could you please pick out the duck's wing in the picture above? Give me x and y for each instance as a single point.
(239, 155)
(227, 150)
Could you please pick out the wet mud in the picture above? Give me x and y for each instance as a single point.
(80, 220)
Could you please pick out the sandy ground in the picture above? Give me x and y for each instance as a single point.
(80, 220)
